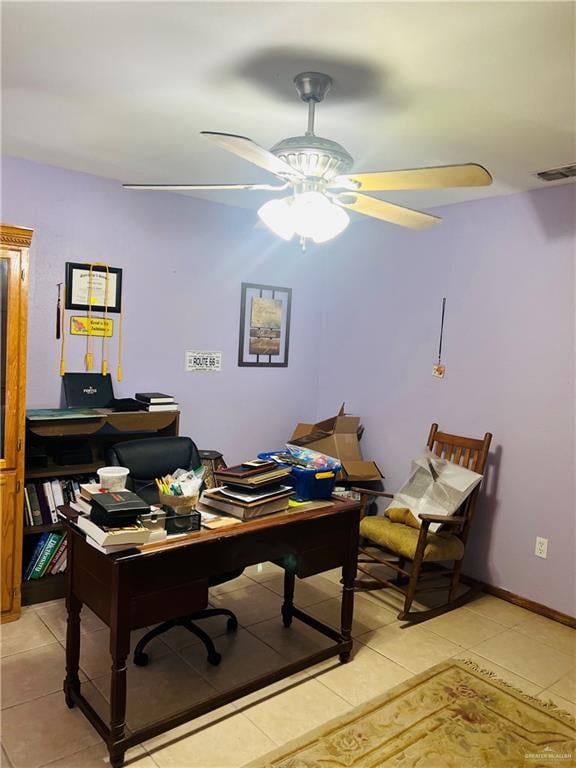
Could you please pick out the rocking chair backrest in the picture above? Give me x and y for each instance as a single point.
(467, 452)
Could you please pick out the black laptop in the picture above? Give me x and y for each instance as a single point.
(94, 390)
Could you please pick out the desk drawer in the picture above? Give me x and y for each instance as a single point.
(166, 603)
(318, 560)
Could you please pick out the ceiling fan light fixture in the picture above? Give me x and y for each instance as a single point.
(311, 215)
(277, 216)
(318, 218)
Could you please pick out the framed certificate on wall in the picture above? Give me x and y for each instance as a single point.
(97, 287)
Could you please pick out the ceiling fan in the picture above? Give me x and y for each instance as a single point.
(322, 189)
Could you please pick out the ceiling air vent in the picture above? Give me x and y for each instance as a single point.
(555, 174)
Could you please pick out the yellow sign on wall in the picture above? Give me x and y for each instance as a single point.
(91, 326)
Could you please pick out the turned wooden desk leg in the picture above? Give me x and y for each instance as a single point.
(72, 681)
(119, 650)
(288, 603)
(349, 570)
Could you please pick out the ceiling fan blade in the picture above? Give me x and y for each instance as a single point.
(379, 209)
(254, 153)
(469, 175)
(201, 187)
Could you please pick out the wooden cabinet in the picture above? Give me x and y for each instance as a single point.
(14, 245)
(51, 447)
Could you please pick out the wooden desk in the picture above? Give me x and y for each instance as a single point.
(170, 579)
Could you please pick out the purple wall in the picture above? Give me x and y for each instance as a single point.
(365, 323)
(183, 261)
(506, 268)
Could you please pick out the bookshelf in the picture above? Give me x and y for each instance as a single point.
(52, 446)
(14, 259)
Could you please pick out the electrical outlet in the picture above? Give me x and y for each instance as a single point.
(541, 548)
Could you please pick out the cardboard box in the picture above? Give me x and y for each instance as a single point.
(338, 437)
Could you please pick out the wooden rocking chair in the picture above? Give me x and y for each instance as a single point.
(423, 550)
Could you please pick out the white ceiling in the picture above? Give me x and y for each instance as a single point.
(122, 90)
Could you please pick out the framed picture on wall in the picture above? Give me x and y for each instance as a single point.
(264, 325)
(97, 286)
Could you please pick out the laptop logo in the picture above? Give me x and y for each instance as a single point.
(89, 390)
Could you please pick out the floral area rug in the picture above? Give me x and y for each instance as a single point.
(451, 716)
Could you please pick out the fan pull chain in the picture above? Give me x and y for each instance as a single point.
(439, 370)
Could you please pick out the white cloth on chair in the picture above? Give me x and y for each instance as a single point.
(435, 487)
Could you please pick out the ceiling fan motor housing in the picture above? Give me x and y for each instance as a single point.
(314, 156)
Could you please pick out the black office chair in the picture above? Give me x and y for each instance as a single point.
(155, 457)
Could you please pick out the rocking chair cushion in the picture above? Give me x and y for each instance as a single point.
(402, 540)
(401, 515)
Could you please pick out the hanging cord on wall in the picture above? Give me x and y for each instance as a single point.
(58, 313)
(441, 331)
(62, 319)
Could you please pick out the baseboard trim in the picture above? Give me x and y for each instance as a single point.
(523, 602)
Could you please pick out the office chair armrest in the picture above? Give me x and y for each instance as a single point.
(453, 520)
(366, 492)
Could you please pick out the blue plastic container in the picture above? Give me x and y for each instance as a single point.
(308, 484)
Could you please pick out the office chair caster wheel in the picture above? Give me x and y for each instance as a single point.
(232, 624)
(141, 659)
(214, 659)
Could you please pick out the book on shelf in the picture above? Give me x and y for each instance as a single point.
(32, 495)
(68, 494)
(156, 407)
(129, 534)
(58, 564)
(47, 485)
(62, 563)
(57, 493)
(154, 397)
(44, 506)
(27, 509)
(43, 561)
(36, 552)
(58, 556)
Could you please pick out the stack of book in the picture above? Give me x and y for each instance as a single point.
(156, 401)
(249, 490)
(252, 474)
(48, 557)
(114, 539)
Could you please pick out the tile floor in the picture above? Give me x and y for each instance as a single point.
(530, 652)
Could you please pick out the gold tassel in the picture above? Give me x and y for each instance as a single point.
(89, 358)
(104, 337)
(63, 311)
(119, 372)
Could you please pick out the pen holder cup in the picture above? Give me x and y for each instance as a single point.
(180, 505)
